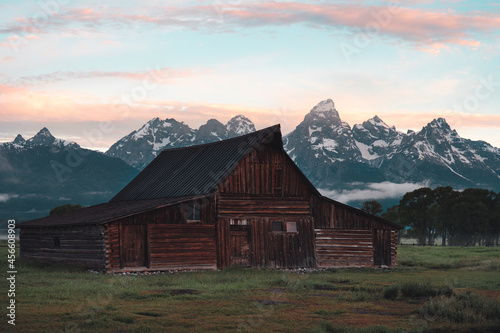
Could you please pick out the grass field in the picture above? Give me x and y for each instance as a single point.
(433, 289)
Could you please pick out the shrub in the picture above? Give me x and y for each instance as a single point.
(391, 292)
(462, 308)
(416, 289)
(445, 291)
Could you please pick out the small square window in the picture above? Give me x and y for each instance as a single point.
(277, 226)
(291, 227)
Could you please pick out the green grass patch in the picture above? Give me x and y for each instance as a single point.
(391, 292)
(425, 292)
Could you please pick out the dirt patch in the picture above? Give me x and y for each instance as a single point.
(149, 314)
(488, 293)
(274, 291)
(380, 313)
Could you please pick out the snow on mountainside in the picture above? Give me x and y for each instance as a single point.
(334, 156)
(376, 140)
(142, 146)
(42, 138)
(239, 125)
(44, 172)
(324, 148)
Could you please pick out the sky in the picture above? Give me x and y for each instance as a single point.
(94, 71)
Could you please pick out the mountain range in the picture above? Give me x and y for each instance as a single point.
(141, 147)
(337, 158)
(43, 172)
(334, 155)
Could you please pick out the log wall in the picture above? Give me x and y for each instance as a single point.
(342, 248)
(394, 248)
(74, 245)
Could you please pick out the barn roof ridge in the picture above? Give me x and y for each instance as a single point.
(270, 129)
(194, 169)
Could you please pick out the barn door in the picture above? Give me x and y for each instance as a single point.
(382, 247)
(239, 247)
(133, 245)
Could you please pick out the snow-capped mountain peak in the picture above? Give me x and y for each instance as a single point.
(325, 109)
(239, 125)
(43, 137)
(19, 140)
(141, 146)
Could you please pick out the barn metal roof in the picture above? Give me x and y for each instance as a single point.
(195, 170)
(102, 213)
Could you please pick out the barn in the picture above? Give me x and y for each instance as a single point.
(236, 202)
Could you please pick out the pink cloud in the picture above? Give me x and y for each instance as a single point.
(160, 75)
(420, 26)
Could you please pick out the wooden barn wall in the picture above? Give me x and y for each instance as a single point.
(170, 215)
(74, 245)
(340, 248)
(243, 206)
(180, 246)
(270, 249)
(328, 215)
(394, 248)
(265, 172)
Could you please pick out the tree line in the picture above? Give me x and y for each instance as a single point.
(461, 218)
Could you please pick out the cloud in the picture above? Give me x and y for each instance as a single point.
(430, 29)
(158, 76)
(4, 197)
(372, 191)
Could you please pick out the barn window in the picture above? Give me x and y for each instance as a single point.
(291, 227)
(57, 242)
(193, 211)
(277, 226)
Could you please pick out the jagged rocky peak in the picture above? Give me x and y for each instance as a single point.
(19, 139)
(438, 128)
(326, 107)
(43, 137)
(239, 125)
(439, 123)
(376, 121)
(212, 131)
(325, 114)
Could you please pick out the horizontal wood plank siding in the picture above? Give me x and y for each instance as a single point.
(74, 245)
(241, 206)
(342, 248)
(182, 246)
(165, 218)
